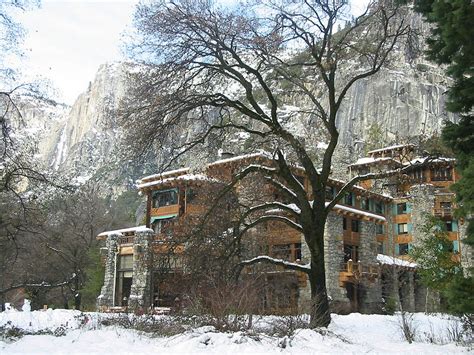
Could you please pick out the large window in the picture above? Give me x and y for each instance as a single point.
(441, 174)
(165, 198)
(162, 226)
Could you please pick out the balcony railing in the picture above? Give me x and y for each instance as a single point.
(443, 212)
(127, 239)
(357, 268)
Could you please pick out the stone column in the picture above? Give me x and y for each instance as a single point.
(334, 256)
(106, 297)
(371, 301)
(140, 294)
(410, 294)
(467, 252)
(395, 289)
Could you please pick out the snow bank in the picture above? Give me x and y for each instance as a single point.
(354, 333)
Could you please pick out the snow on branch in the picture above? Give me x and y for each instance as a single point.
(286, 220)
(42, 284)
(280, 262)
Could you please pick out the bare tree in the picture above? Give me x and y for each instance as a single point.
(211, 69)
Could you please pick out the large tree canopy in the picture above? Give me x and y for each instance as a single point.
(211, 69)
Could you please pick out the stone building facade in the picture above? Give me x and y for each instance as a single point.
(366, 238)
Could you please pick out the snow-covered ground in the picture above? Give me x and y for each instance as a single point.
(73, 332)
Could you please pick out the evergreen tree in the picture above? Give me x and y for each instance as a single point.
(451, 43)
(434, 256)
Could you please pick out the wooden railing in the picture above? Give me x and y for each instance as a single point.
(127, 239)
(443, 212)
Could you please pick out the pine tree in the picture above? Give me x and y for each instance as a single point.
(451, 43)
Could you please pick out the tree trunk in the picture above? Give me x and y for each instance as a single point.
(320, 315)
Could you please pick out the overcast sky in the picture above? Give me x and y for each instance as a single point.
(67, 40)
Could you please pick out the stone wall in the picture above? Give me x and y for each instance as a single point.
(140, 295)
(106, 297)
(370, 283)
(334, 256)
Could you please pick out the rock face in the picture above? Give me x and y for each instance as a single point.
(404, 100)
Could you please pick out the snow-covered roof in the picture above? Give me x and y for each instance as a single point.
(124, 230)
(421, 160)
(390, 260)
(185, 177)
(393, 147)
(262, 154)
(371, 160)
(163, 175)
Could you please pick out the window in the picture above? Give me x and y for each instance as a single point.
(349, 199)
(441, 174)
(165, 198)
(351, 252)
(355, 225)
(402, 208)
(365, 204)
(403, 249)
(162, 226)
(379, 207)
(126, 262)
(445, 205)
(418, 175)
(402, 228)
(298, 254)
(344, 223)
(380, 229)
(380, 248)
(451, 226)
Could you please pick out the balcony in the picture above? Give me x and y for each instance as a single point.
(351, 271)
(443, 212)
(165, 210)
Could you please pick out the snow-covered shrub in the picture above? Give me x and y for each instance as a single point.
(407, 326)
(285, 326)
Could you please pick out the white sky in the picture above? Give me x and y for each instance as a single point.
(67, 40)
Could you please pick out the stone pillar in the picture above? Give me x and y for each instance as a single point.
(106, 297)
(140, 294)
(334, 257)
(371, 297)
(422, 198)
(395, 289)
(467, 252)
(410, 294)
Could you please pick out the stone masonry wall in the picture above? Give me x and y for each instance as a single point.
(334, 256)
(371, 299)
(106, 297)
(140, 295)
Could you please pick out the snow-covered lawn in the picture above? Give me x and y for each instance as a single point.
(73, 332)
